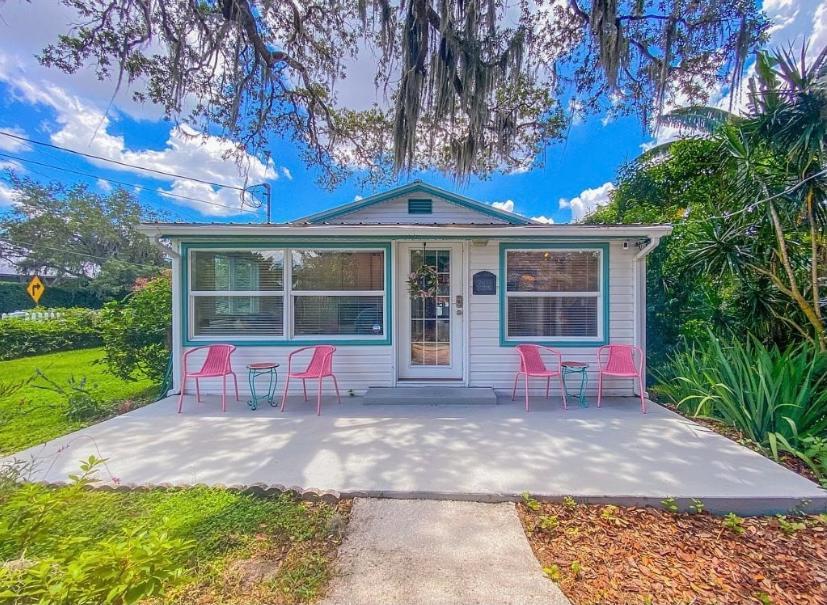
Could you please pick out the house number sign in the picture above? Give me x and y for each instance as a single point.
(485, 283)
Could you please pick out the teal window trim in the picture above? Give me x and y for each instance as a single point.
(420, 205)
(605, 295)
(237, 244)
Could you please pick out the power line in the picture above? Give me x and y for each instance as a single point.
(120, 163)
(31, 246)
(754, 205)
(124, 183)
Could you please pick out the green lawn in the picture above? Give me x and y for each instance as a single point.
(30, 415)
(239, 549)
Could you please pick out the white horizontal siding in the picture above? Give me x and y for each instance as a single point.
(395, 211)
(490, 364)
(495, 365)
(356, 368)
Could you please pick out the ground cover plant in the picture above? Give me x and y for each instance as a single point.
(643, 556)
(33, 409)
(72, 545)
(773, 398)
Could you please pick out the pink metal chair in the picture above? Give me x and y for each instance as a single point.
(531, 364)
(320, 367)
(620, 363)
(217, 363)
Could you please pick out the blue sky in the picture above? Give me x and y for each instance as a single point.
(70, 111)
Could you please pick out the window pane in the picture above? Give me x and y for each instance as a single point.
(553, 271)
(338, 315)
(238, 316)
(552, 316)
(230, 270)
(338, 270)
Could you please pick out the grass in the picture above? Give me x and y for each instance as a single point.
(29, 415)
(234, 536)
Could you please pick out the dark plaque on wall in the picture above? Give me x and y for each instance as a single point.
(485, 282)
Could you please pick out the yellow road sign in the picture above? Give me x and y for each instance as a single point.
(35, 289)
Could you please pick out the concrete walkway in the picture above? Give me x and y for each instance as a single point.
(418, 552)
(484, 453)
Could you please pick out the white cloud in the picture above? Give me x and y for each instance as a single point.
(793, 22)
(286, 172)
(7, 195)
(358, 197)
(84, 127)
(104, 186)
(588, 201)
(546, 220)
(576, 111)
(11, 165)
(13, 145)
(507, 205)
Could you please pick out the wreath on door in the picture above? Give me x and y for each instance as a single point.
(423, 282)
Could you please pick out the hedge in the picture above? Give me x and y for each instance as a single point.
(74, 329)
(13, 297)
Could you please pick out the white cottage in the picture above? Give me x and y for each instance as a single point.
(496, 279)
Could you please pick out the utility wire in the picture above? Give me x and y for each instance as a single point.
(124, 183)
(31, 246)
(119, 163)
(752, 206)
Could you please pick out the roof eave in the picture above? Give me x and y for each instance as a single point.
(177, 230)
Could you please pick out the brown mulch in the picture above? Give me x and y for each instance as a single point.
(612, 555)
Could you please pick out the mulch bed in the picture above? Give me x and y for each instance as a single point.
(612, 555)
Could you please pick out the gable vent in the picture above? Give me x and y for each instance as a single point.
(420, 206)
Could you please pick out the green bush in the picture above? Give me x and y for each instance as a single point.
(73, 329)
(135, 331)
(776, 398)
(124, 568)
(83, 404)
(13, 297)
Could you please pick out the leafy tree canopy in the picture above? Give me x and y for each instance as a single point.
(468, 86)
(71, 232)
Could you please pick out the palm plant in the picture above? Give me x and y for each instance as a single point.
(696, 120)
(777, 187)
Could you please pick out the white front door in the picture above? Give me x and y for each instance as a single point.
(430, 328)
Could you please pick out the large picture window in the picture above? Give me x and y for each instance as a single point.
(287, 294)
(554, 294)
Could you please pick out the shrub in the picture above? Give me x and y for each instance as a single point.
(135, 331)
(13, 297)
(776, 398)
(82, 403)
(73, 329)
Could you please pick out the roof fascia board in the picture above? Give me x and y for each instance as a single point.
(407, 231)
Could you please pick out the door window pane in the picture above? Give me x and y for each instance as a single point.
(431, 316)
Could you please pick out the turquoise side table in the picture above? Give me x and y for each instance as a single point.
(576, 367)
(257, 370)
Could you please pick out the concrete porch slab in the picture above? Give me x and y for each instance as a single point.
(487, 453)
(427, 395)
